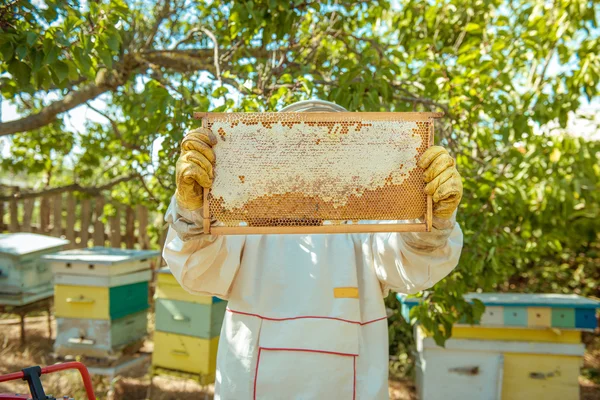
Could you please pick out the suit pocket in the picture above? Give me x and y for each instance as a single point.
(307, 358)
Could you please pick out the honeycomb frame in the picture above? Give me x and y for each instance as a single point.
(324, 201)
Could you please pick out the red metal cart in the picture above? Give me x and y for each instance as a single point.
(32, 376)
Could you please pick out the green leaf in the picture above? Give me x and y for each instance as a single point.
(113, 41)
(21, 52)
(61, 70)
(20, 71)
(473, 27)
(106, 56)
(220, 91)
(7, 51)
(51, 54)
(31, 38)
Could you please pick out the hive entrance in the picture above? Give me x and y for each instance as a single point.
(318, 172)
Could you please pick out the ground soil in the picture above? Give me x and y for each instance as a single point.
(38, 351)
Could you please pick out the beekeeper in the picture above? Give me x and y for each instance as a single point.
(306, 317)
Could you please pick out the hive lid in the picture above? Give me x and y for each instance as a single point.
(522, 300)
(101, 255)
(20, 244)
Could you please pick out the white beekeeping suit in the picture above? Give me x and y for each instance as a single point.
(306, 317)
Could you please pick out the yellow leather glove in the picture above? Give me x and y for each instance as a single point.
(194, 169)
(443, 181)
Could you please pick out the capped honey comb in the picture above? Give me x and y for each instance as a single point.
(305, 172)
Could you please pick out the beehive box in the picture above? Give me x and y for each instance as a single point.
(101, 303)
(23, 271)
(101, 261)
(468, 369)
(186, 335)
(526, 346)
(315, 172)
(100, 299)
(530, 310)
(98, 337)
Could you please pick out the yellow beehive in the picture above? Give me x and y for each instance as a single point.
(186, 335)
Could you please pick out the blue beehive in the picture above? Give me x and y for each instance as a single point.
(526, 346)
(24, 275)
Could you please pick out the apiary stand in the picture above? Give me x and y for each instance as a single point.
(158, 371)
(44, 304)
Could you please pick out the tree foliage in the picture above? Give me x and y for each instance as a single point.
(502, 71)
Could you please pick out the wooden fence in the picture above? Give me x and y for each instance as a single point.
(79, 220)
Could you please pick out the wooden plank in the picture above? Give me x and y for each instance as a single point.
(206, 212)
(115, 227)
(70, 227)
(27, 214)
(129, 228)
(57, 216)
(162, 239)
(347, 228)
(540, 376)
(14, 216)
(516, 334)
(142, 217)
(85, 222)
(335, 116)
(98, 224)
(189, 319)
(2, 216)
(185, 353)
(45, 214)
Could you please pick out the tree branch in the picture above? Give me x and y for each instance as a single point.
(164, 12)
(181, 60)
(93, 190)
(115, 128)
(49, 113)
(216, 52)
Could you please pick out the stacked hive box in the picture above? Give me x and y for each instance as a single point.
(101, 299)
(24, 276)
(526, 346)
(187, 331)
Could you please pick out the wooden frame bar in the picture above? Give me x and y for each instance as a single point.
(327, 229)
(335, 116)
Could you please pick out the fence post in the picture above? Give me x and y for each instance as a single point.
(98, 224)
(142, 217)
(70, 227)
(129, 228)
(115, 227)
(14, 215)
(84, 233)
(45, 214)
(27, 214)
(57, 216)
(1, 216)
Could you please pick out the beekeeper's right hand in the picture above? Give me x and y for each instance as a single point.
(194, 170)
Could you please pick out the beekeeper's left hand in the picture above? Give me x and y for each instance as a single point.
(444, 183)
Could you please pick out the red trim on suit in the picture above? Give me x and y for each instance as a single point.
(305, 317)
(260, 349)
